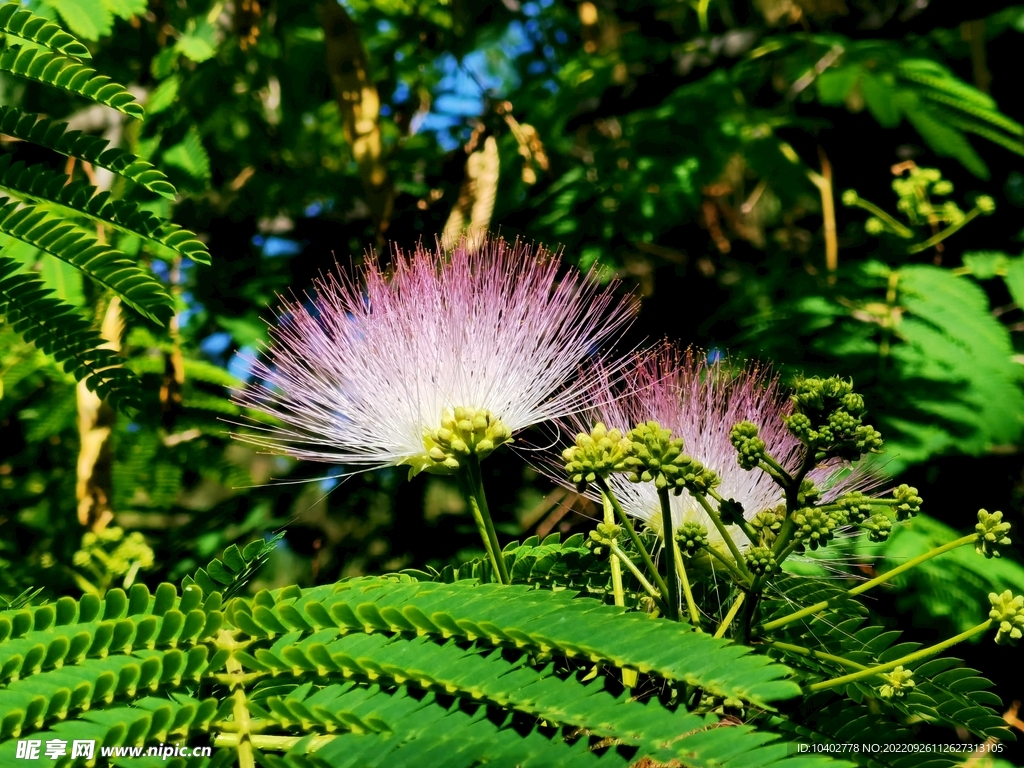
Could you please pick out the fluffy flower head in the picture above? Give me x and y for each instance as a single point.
(442, 355)
(700, 402)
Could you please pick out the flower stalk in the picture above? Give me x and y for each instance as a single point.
(924, 653)
(733, 610)
(810, 652)
(625, 522)
(861, 588)
(691, 605)
(474, 489)
(671, 578)
(723, 531)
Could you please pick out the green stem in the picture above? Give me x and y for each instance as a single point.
(740, 578)
(648, 587)
(724, 532)
(671, 579)
(844, 662)
(626, 523)
(861, 588)
(910, 658)
(938, 238)
(733, 610)
(792, 491)
(787, 552)
(629, 676)
(776, 470)
(482, 514)
(900, 229)
(691, 606)
(702, 14)
(616, 567)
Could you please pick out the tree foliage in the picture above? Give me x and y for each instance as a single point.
(699, 152)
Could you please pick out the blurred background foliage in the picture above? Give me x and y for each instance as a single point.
(832, 185)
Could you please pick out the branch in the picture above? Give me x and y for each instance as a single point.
(348, 65)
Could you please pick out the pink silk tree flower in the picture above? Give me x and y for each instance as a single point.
(700, 402)
(441, 356)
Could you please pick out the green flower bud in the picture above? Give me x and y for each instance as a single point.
(878, 527)
(768, 523)
(692, 536)
(897, 683)
(874, 225)
(908, 502)
(761, 562)
(730, 511)
(850, 197)
(463, 432)
(808, 494)
(991, 533)
(1008, 614)
(942, 188)
(657, 456)
(747, 444)
(605, 534)
(985, 204)
(856, 505)
(814, 526)
(800, 427)
(827, 417)
(598, 454)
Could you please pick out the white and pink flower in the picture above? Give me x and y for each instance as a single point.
(365, 369)
(701, 401)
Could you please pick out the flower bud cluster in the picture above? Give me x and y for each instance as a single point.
(731, 512)
(692, 536)
(768, 523)
(991, 533)
(596, 455)
(897, 683)
(828, 418)
(814, 526)
(657, 456)
(908, 503)
(808, 494)
(749, 447)
(605, 535)
(878, 526)
(856, 507)
(464, 432)
(761, 562)
(1008, 614)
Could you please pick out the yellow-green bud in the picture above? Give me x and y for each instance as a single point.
(658, 457)
(606, 534)
(1008, 614)
(596, 455)
(897, 683)
(991, 533)
(463, 432)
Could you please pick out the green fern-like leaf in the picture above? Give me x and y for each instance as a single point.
(92, 149)
(59, 330)
(51, 68)
(32, 225)
(234, 569)
(953, 337)
(945, 694)
(140, 668)
(19, 22)
(545, 621)
(38, 184)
